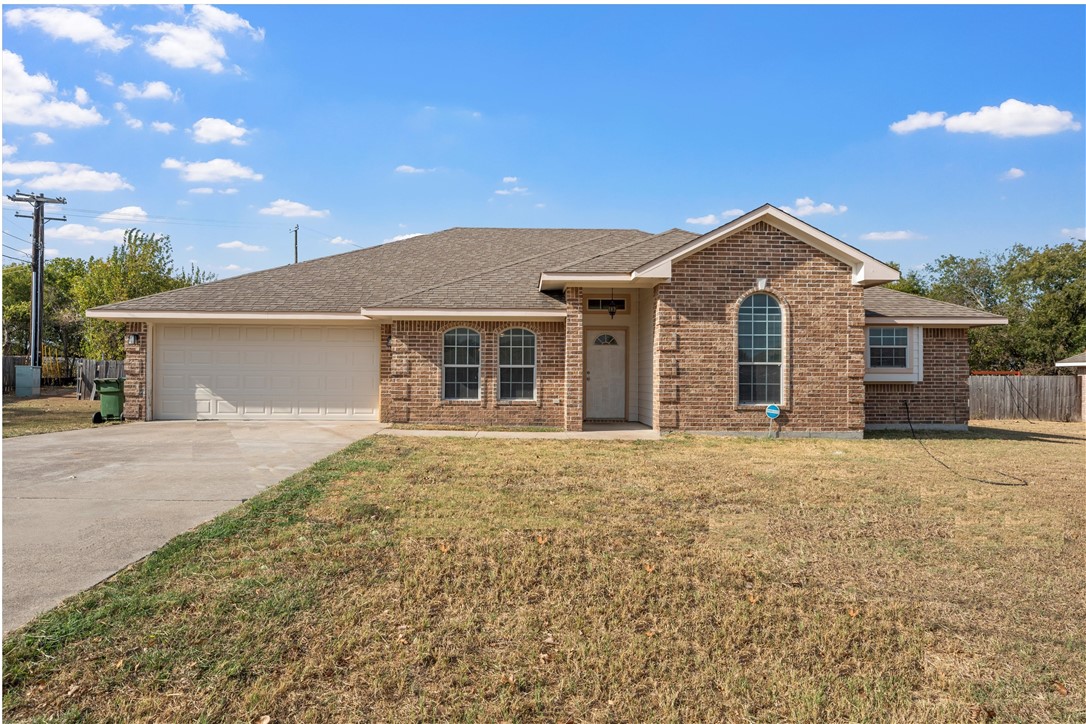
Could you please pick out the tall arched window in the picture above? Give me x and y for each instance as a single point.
(461, 378)
(516, 365)
(759, 350)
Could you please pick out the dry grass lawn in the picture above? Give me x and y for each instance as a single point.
(57, 409)
(690, 579)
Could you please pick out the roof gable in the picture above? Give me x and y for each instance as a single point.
(866, 270)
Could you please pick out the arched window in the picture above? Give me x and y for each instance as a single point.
(461, 379)
(759, 350)
(516, 365)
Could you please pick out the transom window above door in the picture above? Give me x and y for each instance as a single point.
(601, 304)
(605, 339)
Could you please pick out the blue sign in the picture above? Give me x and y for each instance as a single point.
(772, 412)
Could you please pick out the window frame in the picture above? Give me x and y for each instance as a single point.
(502, 336)
(625, 299)
(781, 364)
(913, 372)
(478, 366)
(904, 347)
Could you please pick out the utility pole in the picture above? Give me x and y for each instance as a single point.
(37, 267)
(295, 230)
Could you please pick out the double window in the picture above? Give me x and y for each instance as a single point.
(760, 350)
(888, 347)
(463, 362)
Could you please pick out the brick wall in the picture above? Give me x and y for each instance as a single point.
(696, 375)
(573, 358)
(941, 399)
(135, 372)
(411, 375)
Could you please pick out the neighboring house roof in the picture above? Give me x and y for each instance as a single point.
(482, 272)
(1076, 360)
(893, 307)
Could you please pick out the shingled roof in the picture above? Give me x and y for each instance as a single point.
(466, 268)
(894, 305)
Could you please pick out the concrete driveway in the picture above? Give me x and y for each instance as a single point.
(81, 505)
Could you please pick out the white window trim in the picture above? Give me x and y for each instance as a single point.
(534, 366)
(914, 359)
(444, 368)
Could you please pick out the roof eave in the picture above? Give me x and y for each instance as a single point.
(556, 281)
(151, 315)
(936, 321)
(429, 313)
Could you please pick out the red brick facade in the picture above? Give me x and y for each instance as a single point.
(696, 375)
(941, 399)
(135, 372)
(411, 376)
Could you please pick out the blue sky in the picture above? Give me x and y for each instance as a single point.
(908, 131)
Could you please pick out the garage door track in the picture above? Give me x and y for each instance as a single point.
(81, 505)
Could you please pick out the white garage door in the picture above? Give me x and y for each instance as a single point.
(222, 372)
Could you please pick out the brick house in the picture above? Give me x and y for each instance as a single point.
(555, 327)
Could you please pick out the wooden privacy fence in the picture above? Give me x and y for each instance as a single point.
(86, 370)
(1002, 397)
(9, 371)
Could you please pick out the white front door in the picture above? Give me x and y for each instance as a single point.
(605, 375)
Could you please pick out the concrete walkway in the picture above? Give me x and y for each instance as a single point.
(81, 505)
(600, 431)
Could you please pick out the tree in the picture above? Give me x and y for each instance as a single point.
(911, 282)
(1041, 291)
(142, 264)
(62, 324)
(16, 306)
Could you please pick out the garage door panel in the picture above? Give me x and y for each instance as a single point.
(265, 371)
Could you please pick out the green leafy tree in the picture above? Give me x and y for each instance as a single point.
(62, 326)
(911, 282)
(142, 264)
(16, 304)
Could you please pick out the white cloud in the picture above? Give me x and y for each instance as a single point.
(41, 139)
(1009, 119)
(400, 237)
(341, 240)
(891, 236)
(1014, 118)
(133, 123)
(731, 213)
(9, 150)
(541, 206)
(82, 97)
(53, 176)
(31, 100)
(218, 170)
(196, 43)
(1012, 173)
(228, 191)
(807, 207)
(125, 213)
(202, 190)
(707, 220)
(291, 209)
(509, 179)
(79, 27)
(214, 130)
(81, 234)
(515, 191)
(242, 246)
(104, 78)
(151, 90)
(1077, 232)
(235, 268)
(404, 168)
(917, 121)
(162, 126)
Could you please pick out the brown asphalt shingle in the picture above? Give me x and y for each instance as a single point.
(464, 268)
(883, 302)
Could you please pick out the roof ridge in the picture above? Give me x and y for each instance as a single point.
(620, 248)
(520, 260)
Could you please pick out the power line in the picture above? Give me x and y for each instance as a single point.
(17, 260)
(12, 248)
(37, 266)
(18, 238)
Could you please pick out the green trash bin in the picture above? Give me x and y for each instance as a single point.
(111, 392)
